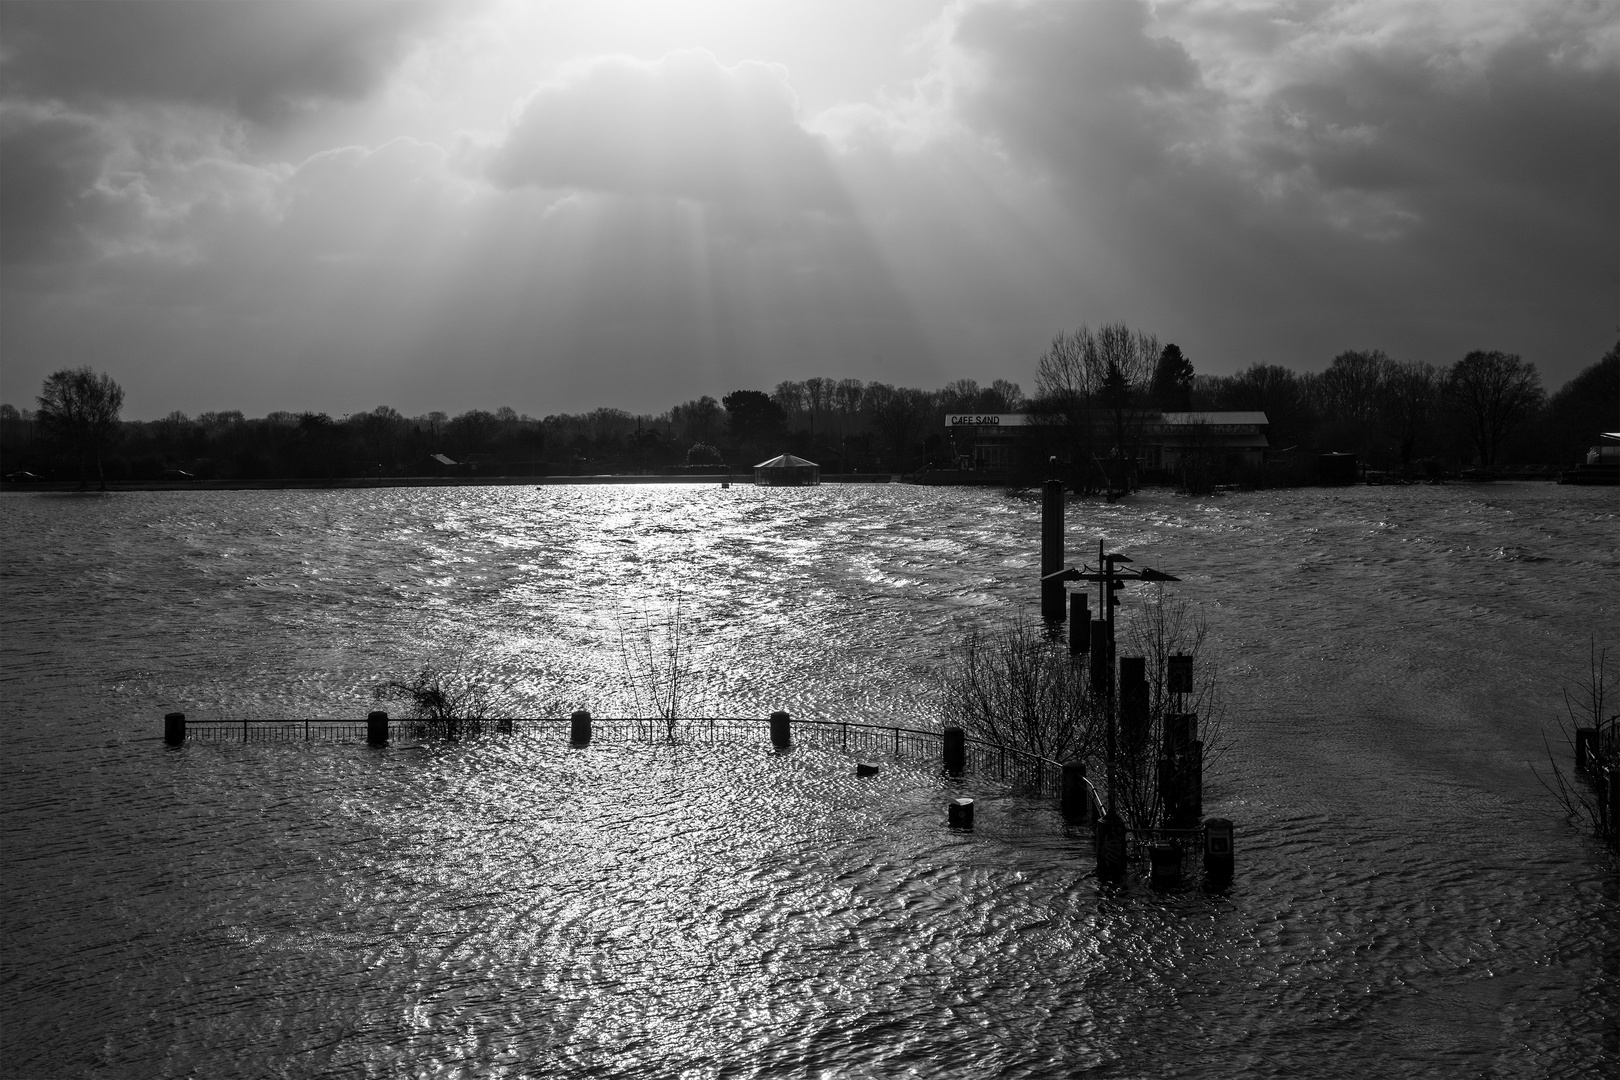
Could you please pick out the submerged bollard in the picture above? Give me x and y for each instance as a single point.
(1218, 855)
(955, 747)
(579, 729)
(1076, 796)
(1164, 864)
(1110, 834)
(174, 728)
(866, 768)
(781, 730)
(959, 814)
(377, 728)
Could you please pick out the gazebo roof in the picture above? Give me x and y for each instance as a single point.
(787, 461)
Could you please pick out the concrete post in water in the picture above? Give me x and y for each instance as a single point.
(1051, 549)
(959, 814)
(174, 728)
(955, 744)
(1079, 624)
(781, 730)
(579, 729)
(1164, 864)
(1585, 748)
(1076, 796)
(377, 728)
(1218, 848)
(1110, 833)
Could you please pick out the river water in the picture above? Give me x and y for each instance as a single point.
(1408, 899)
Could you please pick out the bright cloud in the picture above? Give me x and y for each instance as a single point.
(442, 205)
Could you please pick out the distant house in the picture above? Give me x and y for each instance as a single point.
(787, 471)
(1232, 437)
(989, 440)
(995, 441)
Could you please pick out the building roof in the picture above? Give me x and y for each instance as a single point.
(1187, 419)
(787, 461)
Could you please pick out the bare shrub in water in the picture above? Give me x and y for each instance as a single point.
(1586, 707)
(445, 705)
(1156, 628)
(658, 654)
(1015, 685)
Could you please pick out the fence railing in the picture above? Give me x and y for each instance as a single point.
(1037, 775)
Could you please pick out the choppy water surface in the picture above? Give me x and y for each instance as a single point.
(1407, 901)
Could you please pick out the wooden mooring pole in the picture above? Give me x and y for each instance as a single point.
(781, 730)
(377, 728)
(174, 728)
(579, 729)
(1051, 550)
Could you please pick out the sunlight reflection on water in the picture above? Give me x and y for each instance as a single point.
(1406, 904)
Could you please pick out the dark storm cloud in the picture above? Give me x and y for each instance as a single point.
(1422, 182)
(49, 166)
(1079, 87)
(260, 59)
(684, 126)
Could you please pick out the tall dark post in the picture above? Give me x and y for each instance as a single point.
(377, 728)
(174, 728)
(955, 751)
(781, 730)
(1079, 625)
(1108, 602)
(1051, 549)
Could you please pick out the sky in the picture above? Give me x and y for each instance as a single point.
(557, 206)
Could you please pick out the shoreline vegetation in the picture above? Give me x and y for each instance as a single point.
(1098, 397)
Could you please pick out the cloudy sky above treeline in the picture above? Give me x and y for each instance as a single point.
(556, 206)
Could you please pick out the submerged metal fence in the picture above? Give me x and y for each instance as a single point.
(1032, 773)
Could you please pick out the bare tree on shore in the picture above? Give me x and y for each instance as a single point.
(1494, 392)
(80, 407)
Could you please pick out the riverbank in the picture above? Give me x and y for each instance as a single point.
(422, 481)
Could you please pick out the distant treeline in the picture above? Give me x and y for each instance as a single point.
(1393, 414)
